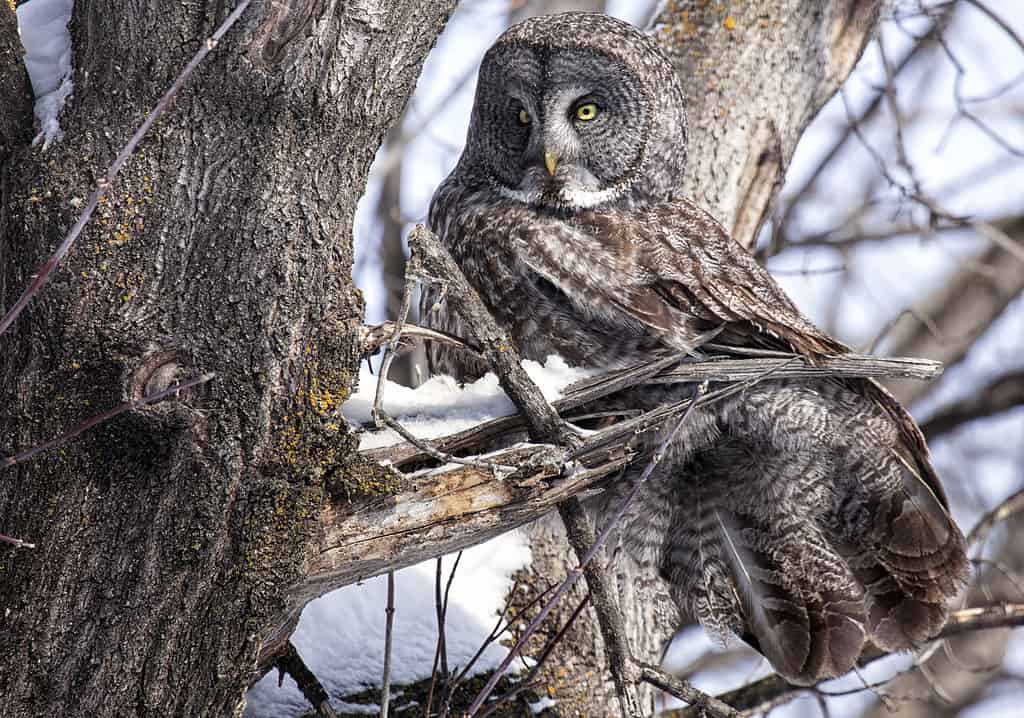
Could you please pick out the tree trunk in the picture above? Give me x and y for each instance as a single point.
(169, 537)
(755, 75)
(16, 119)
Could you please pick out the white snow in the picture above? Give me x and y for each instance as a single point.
(340, 636)
(43, 26)
(440, 406)
(542, 705)
(369, 709)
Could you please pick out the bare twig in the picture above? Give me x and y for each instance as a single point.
(1003, 25)
(44, 272)
(433, 263)
(781, 365)
(998, 396)
(373, 337)
(16, 542)
(433, 452)
(441, 649)
(530, 680)
(1006, 509)
(290, 662)
(103, 417)
(389, 625)
(701, 703)
(925, 42)
(620, 659)
(392, 348)
(575, 574)
(496, 632)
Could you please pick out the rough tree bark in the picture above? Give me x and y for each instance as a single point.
(177, 544)
(754, 79)
(168, 538)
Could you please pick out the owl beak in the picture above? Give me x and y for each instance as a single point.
(550, 161)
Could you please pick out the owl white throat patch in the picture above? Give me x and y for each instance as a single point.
(572, 197)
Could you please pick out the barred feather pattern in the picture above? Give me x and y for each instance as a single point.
(803, 517)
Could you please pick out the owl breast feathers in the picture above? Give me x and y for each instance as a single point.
(803, 516)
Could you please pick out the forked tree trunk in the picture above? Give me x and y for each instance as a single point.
(177, 543)
(167, 538)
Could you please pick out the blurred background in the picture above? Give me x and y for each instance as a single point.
(899, 229)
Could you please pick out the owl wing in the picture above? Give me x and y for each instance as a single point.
(876, 546)
(890, 522)
(692, 263)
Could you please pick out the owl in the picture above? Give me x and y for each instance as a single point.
(802, 516)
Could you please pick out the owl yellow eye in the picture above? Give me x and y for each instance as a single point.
(524, 117)
(586, 112)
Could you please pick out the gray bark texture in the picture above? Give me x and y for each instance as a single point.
(178, 544)
(170, 538)
(16, 118)
(755, 74)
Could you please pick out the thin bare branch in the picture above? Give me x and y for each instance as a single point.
(530, 681)
(765, 692)
(434, 264)
(999, 395)
(781, 365)
(16, 542)
(575, 574)
(1006, 509)
(290, 662)
(389, 626)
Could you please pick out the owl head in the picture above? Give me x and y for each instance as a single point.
(576, 111)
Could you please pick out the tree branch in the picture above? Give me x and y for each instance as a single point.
(768, 690)
(431, 263)
(960, 310)
(1003, 394)
(663, 371)
(42, 275)
(290, 662)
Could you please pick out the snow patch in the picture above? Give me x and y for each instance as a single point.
(440, 406)
(542, 705)
(340, 636)
(43, 26)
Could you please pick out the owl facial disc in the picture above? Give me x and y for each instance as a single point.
(575, 112)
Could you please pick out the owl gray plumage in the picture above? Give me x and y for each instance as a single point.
(803, 516)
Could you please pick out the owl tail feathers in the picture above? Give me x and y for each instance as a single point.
(910, 558)
(798, 606)
(806, 600)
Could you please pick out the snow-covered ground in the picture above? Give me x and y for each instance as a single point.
(341, 635)
(439, 406)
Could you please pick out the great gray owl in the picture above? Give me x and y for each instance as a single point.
(802, 516)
